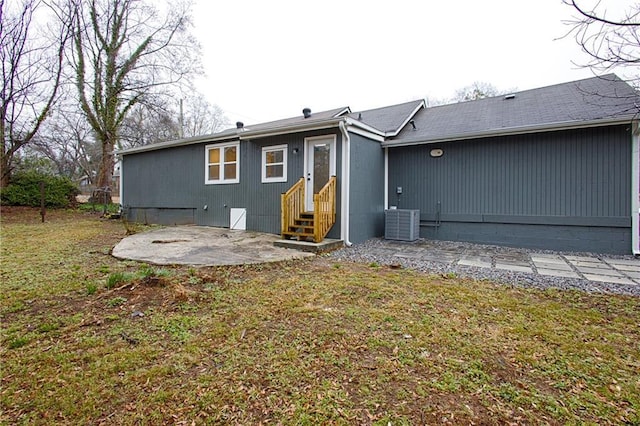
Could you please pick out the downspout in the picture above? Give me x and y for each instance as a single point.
(386, 178)
(345, 190)
(120, 192)
(635, 189)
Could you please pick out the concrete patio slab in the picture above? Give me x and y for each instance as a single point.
(580, 258)
(625, 267)
(631, 262)
(599, 271)
(477, 262)
(608, 279)
(558, 273)
(591, 264)
(203, 246)
(634, 275)
(548, 258)
(514, 268)
(551, 265)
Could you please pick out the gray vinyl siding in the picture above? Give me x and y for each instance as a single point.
(566, 190)
(168, 186)
(366, 202)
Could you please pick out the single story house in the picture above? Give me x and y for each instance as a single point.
(549, 168)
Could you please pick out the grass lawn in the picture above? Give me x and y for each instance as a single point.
(88, 339)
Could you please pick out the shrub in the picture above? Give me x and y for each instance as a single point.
(24, 190)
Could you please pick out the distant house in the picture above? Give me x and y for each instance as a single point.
(551, 168)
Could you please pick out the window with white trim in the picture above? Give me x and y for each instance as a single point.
(222, 163)
(274, 163)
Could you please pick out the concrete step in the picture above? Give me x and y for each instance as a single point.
(326, 245)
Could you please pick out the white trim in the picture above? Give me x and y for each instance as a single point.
(222, 163)
(345, 186)
(635, 189)
(386, 178)
(263, 163)
(345, 110)
(284, 130)
(308, 141)
(120, 191)
(362, 132)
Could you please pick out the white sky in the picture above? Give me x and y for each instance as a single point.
(267, 59)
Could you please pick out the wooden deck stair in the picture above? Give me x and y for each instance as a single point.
(304, 225)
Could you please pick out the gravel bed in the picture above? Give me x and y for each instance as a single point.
(382, 252)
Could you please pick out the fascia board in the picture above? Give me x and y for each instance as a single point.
(237, 135)
(358, 131)
(283, 130)
(179, 142)
(510, 131)
(351, 122)
(346, 110)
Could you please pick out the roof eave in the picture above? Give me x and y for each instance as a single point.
(301, 127)
(238, 135)
(359, 124)
(178, 142)
(569, 125)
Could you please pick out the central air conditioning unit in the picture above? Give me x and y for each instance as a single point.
(403, 225)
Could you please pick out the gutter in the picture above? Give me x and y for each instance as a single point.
(247, 133)
(345, 189)
(565, 125)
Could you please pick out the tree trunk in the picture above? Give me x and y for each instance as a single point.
(105, 175)
(5, 170)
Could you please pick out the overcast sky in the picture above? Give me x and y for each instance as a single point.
(266, 60)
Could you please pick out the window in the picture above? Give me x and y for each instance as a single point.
(222, 163)
(274, 164)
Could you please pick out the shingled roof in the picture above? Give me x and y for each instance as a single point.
(389, 119)
(590, 102)
(593, 101)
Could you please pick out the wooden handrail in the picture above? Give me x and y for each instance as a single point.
(324, 214)
(292, 204)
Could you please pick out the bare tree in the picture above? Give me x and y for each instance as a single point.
(149, 123)
(475, 91)
(201, 117)
(31, 75)
(160, 120)
(124, 52)
(608, 41)
(67, 142)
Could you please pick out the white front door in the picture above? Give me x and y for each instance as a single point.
(320, 165)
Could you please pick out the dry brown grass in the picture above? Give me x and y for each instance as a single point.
(312, 342)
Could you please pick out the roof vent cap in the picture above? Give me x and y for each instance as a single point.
(239, 124)
(509, 96)
(306, 112)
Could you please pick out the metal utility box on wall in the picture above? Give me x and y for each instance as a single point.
(403, 225)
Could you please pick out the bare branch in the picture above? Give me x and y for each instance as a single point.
(32, 69)
(610, 43)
